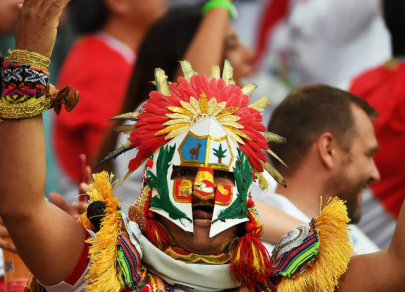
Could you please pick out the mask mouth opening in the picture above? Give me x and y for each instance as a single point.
(203, 210)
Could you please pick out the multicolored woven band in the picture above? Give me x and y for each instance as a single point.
(297, 260)
(24, 91)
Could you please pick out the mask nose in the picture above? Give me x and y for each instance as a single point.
(204, 184)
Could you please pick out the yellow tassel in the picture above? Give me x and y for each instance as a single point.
(102, 275)
(85, 222)
(334, 252)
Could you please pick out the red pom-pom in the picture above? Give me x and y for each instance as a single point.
(250, 203)
(249, 226)
(149, 163)
(151, 214)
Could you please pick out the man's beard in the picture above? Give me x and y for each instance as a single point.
(347, 189)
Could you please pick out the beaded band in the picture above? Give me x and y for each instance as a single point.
(29, 58)
(26, 109)
(221, 3)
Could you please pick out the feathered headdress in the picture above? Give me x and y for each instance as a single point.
(173, 108)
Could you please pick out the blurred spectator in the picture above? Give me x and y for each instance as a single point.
(321, 41)
(383, 88)
(113, 31)
(331, 154)
(183, 34)
(311, 41)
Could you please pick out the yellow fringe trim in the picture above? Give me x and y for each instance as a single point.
(334, 252)
(102, 275)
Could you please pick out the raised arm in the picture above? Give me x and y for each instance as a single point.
(48, 240)
(276, 223)
(382, 271)
(207, 46)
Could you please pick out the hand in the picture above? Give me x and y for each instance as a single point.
(8, 15)
(79, 207)
(5, 244)
(74, 210)
(37, 25)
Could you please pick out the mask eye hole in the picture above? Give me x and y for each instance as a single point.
(184, 172)
(224, 177)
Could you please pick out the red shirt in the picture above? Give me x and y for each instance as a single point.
(99, 66)
(384, 89)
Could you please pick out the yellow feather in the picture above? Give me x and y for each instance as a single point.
(126, 129)
(170, 128)
(161, 82)
(176, 132)
(232, 124)
(230, 118)
(274, 173)
(227, 74)
(261, 104)
(180, 110)
(179, 116)
(235, 137)
(249, 88)
(271, 137)
(226, 111)
(275, 156)
(188, 107)
(176, 121)
(212, 103)
(219, 107)
(188, 70)
(195, 104)
(128, 116)
(262, 181)
(239, 133)
(215, 72)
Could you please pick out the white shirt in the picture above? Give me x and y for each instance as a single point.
(362, 244)
(327, 41)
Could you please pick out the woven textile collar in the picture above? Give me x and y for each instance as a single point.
(203, 277)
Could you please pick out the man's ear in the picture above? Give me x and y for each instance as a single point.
(326, 145)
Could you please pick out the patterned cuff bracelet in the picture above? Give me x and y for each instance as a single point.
(27, 109)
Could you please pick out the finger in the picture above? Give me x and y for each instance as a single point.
(60, 202)
(88, 177)
(7, 245)
(55, 8)
(3, 231)
(83, 187)
(31, 4)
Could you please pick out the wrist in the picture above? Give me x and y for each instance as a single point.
(225, 4)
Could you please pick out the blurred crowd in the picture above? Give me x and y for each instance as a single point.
(282, 45)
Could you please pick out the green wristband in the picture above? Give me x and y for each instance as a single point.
(221, 3)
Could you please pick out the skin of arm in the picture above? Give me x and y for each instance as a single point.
(48, 240)
(207, 46)
(381, 271)
(276, 223)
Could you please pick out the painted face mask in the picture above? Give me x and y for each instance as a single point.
(206, 124)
